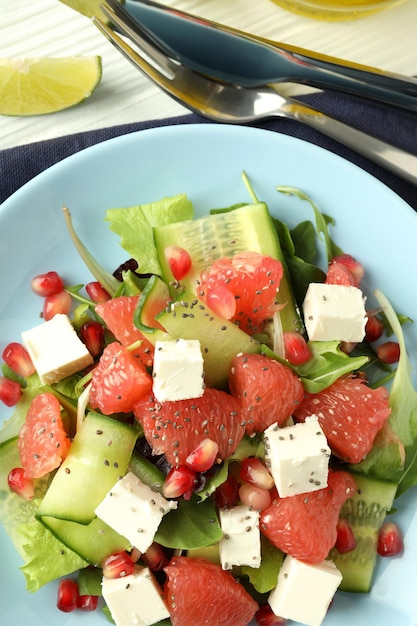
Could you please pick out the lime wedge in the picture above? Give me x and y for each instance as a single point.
(45, 85)
(87, 7)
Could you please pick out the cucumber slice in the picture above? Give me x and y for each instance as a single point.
(247, 228)
(153, 299)
(189, 318)
(98, 456)
(366, 512)
(94, 542)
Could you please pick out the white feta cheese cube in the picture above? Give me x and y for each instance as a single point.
(134, 510)
(178, 370)
(314, 584)
(135, 599)
(55, 349)
(334, 313)
(297, 457)
(241, 541)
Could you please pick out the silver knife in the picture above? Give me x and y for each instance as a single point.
(246, 59)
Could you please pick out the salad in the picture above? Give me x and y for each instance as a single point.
(181, 285)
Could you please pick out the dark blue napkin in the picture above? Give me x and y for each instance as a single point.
(18, 165)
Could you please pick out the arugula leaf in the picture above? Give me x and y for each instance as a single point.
(89, 581)
(302, 274)
(135, 224)
(327, 364)
(192, 525)
(304, 240)
(322, 220)
(299, 249)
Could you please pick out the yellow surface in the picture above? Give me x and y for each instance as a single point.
(86, 7)
(45, 85)
(336, 9)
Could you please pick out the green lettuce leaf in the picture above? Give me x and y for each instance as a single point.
(394, 455)
(12, 425)
(264, 578)
(46, 558)
(134, 225)
(403, 396)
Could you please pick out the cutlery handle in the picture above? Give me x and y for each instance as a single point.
(401, 163)
(323, 71)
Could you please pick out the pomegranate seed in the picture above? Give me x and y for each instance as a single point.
(254, 497)
(87, 603)
(47, 284)
(297, 350)
(10, 391)
(155, 558)
(355, 268)
(18, 359)
(67, 595)
(374, 328)
(252, 470)
(58, 303)
(345, 541)
(264, 616)
(179, 481)
(97, 292)
(388, 352)
(222, 301)
(21, 484)
(92, 334)
(203, 456)
(227, 494)
(179, 261)
(118, 565)
(390, 540)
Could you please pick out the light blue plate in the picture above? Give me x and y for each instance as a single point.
(205, 161)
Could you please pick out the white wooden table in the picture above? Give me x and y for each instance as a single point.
(48, 28)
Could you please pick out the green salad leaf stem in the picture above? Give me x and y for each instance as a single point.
(107, 280)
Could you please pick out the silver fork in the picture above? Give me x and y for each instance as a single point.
(236, 104)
